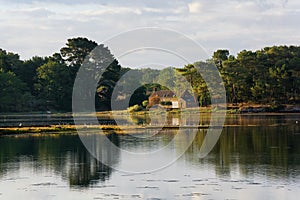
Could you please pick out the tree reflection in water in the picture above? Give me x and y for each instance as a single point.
(269, 150)
(65, 154)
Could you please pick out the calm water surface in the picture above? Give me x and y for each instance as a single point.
(258, 159)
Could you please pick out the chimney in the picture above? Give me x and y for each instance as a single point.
(154, 89)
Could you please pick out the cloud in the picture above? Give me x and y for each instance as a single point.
(194, 7)
(32, 12)
(36, 27)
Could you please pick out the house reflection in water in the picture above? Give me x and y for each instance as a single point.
(168, 119)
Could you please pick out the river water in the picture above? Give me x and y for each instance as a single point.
(256, 157)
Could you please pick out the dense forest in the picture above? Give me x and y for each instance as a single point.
(267, 76)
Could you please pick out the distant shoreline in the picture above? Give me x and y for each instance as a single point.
(125, 129)
(239, 108)
(105, 130)
(53, 122)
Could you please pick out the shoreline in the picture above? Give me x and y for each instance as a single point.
(58, 123)
(240, 108)
(125, 129)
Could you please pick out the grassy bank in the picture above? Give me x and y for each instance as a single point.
(48, 129)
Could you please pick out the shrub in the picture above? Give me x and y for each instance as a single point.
(135, 108)
(145, 103)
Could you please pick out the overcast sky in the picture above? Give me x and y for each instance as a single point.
(41, 27)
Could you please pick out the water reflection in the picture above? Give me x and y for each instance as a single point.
(169, 119)
(271, 151)
(64, 154)
(186, 119)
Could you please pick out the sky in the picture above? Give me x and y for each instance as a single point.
(42, 27)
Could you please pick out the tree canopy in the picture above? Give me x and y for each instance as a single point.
(267, 76)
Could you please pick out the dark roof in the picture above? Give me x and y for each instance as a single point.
(164, 93)
(186, 94)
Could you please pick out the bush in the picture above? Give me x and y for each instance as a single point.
(145, 103)
(135, 108)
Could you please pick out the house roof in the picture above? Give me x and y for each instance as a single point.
(163, 93)
(186, 94)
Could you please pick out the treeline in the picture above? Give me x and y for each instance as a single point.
(270, 75)
(267, 76)
(46, 83)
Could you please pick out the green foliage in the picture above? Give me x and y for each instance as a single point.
(73, 55)
(265, 76)
(54, 86)
(109, 78)
(138, 96)
(167, 78)
(10, 62)
(198, 84)
(130, 80)
(76, 50)
(219, 56)
(259, 77)
(14, 95)
(145, 103)
(135, 108)
(149, 75)
(28, 71)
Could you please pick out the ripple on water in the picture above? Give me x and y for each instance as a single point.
(152, 180)
(118, 196)
(43, 184)
(135, 196)
(213, 184)
(148, 187)
(102, 186)
(254, 183)
(231, 181)
(189, 186)
(237, 188)
(199, 180)
(193, 194)
(14, 179)
(171, 181)
(200, 184)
